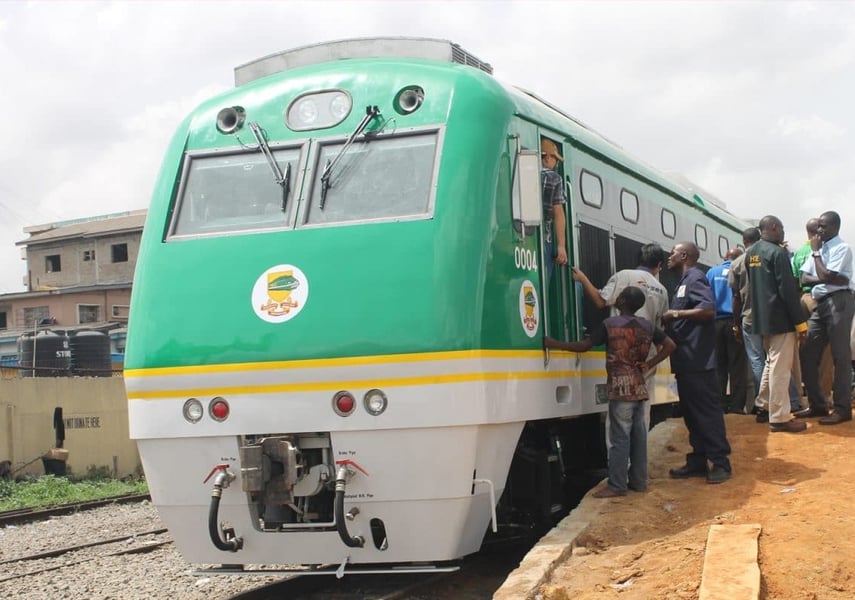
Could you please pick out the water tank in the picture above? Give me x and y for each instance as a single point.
(90, 354)
(48, 350)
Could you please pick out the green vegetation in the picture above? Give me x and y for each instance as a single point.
(51, 491)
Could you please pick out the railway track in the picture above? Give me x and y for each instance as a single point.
(27, 515)
(145, 541)
(477, 578)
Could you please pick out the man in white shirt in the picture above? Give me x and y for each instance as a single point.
(829, 271)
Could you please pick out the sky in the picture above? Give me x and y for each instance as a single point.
(750, 100)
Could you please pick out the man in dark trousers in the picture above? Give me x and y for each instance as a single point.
(730, 352)
(829, 271)
(777, 315)
(690, 323)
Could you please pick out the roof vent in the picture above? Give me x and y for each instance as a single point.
(400, 47)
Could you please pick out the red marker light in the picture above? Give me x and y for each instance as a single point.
(343, 403)
(219, 409)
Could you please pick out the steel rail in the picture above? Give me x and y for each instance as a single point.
(126, 551)
(27, 515)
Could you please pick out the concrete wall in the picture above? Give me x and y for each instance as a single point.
(95, 411)
(75, 269)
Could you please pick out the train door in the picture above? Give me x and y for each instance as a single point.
(557, 281)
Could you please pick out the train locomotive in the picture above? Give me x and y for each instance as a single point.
(335, 353)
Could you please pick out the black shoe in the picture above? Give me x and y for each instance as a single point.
(789, 427)
(718, 475)
(762, 416)
(811, 411)
(834, 419)
(686, 471)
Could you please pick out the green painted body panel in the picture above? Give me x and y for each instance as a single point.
(449, 281)
(443, 283)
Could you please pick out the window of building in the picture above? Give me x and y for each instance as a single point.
(723, 246)
(592, 189)
(119, 253)
(3, 323)
(53, 264)
(33, 315)
(120, 311)
(629, 206)
(88, 255)
(88, 313)
(669, 223)
(701, 236)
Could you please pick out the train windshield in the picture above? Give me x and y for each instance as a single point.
(234, 192)
(388, 177)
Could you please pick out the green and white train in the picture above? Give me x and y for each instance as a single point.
(335, 355)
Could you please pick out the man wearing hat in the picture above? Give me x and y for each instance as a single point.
(553, 205)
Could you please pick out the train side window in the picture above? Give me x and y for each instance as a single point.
(669, 224)
(629, 206)
(701, 237)
(591, 187)
(723, 246)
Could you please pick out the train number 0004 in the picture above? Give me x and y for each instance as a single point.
(525, 259)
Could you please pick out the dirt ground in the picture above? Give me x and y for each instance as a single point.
(800, 488)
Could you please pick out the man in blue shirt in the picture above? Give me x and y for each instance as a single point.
(829, 272)
(731, 360)
(690, 324)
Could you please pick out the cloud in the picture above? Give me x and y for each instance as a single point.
(812, 127)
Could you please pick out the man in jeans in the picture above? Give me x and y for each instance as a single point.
(628, 339)
(777, 316)
(737, 279)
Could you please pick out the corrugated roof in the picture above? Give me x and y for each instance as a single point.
(86, 228)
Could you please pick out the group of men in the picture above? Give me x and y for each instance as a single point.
(749, 311)
(794, 316)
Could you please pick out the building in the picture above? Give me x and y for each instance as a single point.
(79, 276)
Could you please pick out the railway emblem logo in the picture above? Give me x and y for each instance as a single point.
(280, 293)
(529, 310)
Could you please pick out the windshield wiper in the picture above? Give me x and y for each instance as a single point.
(371, 112)
(268, 153)
(286, 186)
(278, 177)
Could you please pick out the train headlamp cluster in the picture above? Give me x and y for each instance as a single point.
(374, 401)
(318, 110)
(218, 409)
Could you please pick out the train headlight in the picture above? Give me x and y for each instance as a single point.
(409, 99)
(307, 111)
(340, 105)
(343, 403)
(219, 409)
(375, 402)
(318, 110)
(193, 410)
